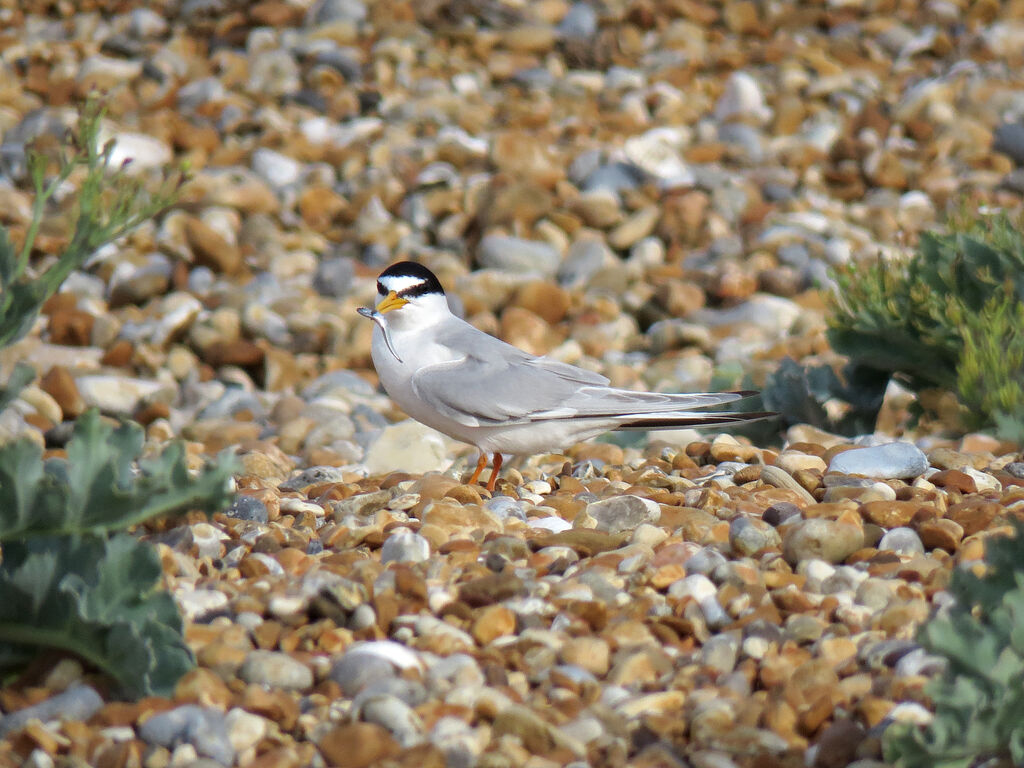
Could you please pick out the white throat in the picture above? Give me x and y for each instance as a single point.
(419, 313)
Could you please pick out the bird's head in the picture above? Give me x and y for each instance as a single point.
(410, 296)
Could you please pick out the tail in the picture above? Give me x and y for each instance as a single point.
(677, 419)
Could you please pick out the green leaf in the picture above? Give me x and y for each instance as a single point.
(97, 598)
(102, 485)
(19, 379)
(979, 699)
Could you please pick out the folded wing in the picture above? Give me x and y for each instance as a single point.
(500, 384)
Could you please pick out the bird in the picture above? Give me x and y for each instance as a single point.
(459, 380)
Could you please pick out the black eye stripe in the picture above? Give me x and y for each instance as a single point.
(425, 280)
(416, 290)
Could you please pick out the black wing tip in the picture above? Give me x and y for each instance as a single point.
(693, 420)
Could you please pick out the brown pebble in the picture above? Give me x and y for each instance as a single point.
(547, 300)
(941, 534)
(119, 354)
(837, 745)
(60, 385)
(954, 479)
(357, 745)
(889, 514)
(973, 515)
(150, 412)
(72, 327)
(240, 352)
(590, 653)
(464, 494)
(211, 249)
(493, 622)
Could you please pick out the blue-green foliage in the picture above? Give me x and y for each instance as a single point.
(67, 583)
(979, 699)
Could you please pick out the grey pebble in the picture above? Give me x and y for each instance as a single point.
(623, 513)
(404, 547)
(505, 507)
(232, 401)
(313, 476)
(79, 702)
(614, 177)
(248, 508)
(747, 536)
(580, 23)
(1008, 138)
(333, 277)
(394, 714)
(202, 727)
(777, 514)
(354, 671)
(721, 652)
(884, 462)
(328, 11)
(517, 255)
(904, 541)
(705, 561)
(585, 258)
(276, 670)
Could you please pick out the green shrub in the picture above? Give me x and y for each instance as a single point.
(109, 203)
(979, 699)
(949, 317)
(68, 584)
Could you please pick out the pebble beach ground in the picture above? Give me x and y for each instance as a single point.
(652, 190)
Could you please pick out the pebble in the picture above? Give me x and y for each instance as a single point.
(623, 513)
(276, 670)
(518, 256)
(748, 536)
(405, 547)
(119, 395)
(203, 728)
(408, 446)
(79, 702)
(828, 540)
(904, 541)
(889, 461)
(244, 507)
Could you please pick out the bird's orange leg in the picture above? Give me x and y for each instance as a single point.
(496, 464)
(480, 464)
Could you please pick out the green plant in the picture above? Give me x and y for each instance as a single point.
(108, 204)
(944, 318)
(70, 585)
(70, 581)
(990, 377)
(979, 699)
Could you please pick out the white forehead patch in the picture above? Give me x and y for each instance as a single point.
(399, 283)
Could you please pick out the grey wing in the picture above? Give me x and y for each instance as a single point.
(496, 383)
